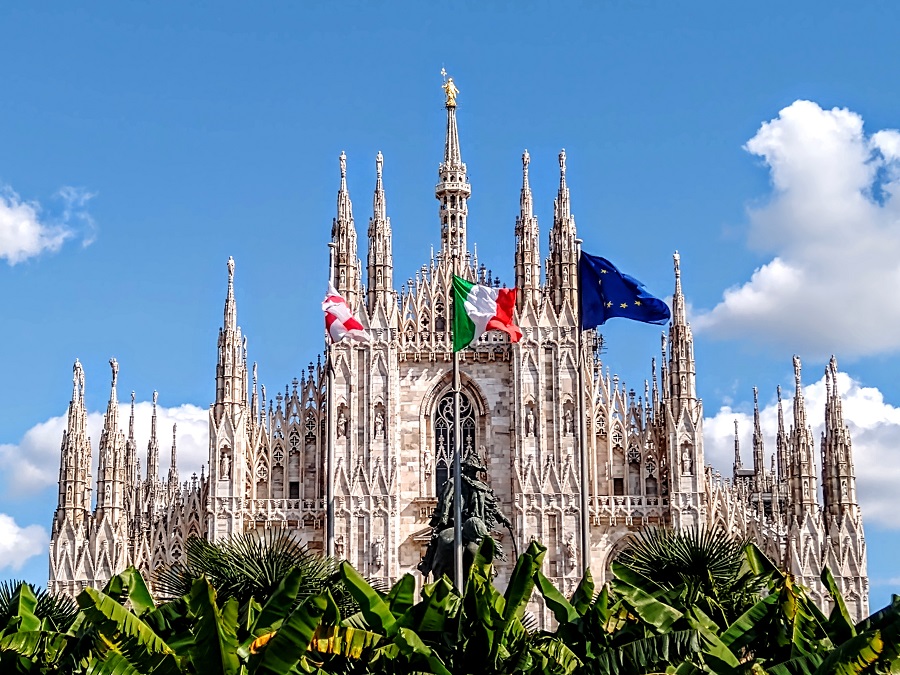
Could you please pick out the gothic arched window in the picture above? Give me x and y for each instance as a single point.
(444, 437)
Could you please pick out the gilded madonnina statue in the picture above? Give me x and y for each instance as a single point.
(449, 89)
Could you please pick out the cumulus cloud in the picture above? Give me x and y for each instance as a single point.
(27, 229)
(874, 428)
(33, 463)
(832, 225)
(18, 544)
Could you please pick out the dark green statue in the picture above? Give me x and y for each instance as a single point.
(480, 514)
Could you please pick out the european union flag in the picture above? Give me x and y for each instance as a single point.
(607, 293)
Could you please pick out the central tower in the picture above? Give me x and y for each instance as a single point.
(453, 188)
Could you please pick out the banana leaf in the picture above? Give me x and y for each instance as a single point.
(113, 663)
(402, 596)
(343, 641)
(840, 626)
(115, 622)
(521, 583)
(556, 602)
(584, 593)
(644, 654)
(439, 605)
(291, 643)
(375, 610)
(22, 606)
(130, 585)
(214, 651)
(279, 604)
(37, 645)
(650, 610)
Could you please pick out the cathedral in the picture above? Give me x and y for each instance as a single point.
(576, 461)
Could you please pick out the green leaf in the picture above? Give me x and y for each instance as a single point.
(113, 663)
(439, 604)
(658, 614)
(521, 583)
(22, 606)
(279, 603)
(375, 610)
(402, 595)
(840, 626)
(584, 593)
(31, 644)
(114, 621)
(214, 651)
(753, 624)
(343, 641)
(410, 643)
(556, 602)
(130, 585)
(292, 641)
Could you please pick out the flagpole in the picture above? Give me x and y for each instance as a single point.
(582, 436)
(329, 413)
(457, 457)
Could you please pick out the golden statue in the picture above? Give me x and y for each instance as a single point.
(449, 89)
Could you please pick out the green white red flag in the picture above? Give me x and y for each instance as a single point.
(477, 309)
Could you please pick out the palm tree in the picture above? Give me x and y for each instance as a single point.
(704, 568)
(250, 565)
(59, 609)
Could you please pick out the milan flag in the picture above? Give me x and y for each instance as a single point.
(339, 320)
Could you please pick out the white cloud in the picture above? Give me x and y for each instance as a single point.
(18, 544)
(33, 463)
(25, 232)
(832, 225)
(874, 428)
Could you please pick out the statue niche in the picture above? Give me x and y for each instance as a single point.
(480, 514)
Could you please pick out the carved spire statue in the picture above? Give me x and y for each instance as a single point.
(380, 261)
(343, 235)
(562, 262)
(528, 253)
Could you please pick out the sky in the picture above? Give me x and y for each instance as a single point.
(141, 144)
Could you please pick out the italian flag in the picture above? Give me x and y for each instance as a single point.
(477, 309)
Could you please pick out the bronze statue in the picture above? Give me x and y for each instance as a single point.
(480, 514)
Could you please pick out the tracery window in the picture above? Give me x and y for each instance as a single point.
(444, 437)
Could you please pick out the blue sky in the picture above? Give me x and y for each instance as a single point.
(141, 144)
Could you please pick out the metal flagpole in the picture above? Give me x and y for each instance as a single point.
(582, 435)
(457, 455)
(329, 413)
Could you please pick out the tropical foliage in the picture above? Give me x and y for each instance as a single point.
(680, 603)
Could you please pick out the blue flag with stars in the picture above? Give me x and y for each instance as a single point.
(607, 293)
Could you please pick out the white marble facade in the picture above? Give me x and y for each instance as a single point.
(522, 410)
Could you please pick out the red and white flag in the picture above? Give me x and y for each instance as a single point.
(339, 320)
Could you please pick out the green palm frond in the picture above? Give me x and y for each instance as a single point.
(248, 566)
(59, 609)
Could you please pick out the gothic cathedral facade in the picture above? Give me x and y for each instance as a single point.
(526, 407)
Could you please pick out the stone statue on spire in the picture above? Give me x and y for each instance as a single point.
(115, 370)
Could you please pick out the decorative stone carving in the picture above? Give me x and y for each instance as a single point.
(378, 551)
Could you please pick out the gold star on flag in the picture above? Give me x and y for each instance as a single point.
(602, 271)
(637, 303)
(609, 304)
(624, 305)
